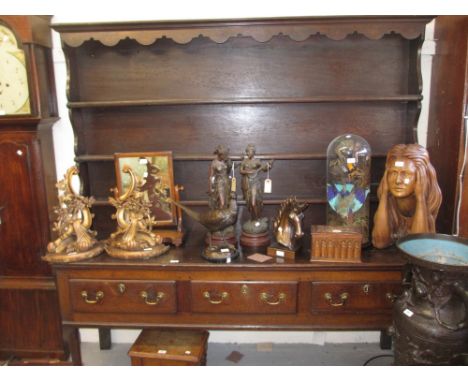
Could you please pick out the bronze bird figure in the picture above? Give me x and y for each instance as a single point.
(213, 220)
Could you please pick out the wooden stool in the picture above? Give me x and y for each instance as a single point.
(169, 348)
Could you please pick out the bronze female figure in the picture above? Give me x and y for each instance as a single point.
(219, 184)
(409, 196)
(250, 169)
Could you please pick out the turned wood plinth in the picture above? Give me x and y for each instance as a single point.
(218, 239)
(255, 240)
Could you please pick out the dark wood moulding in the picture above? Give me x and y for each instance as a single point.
(261, 30)
(316, 99)
(104, 202)
(208, 157)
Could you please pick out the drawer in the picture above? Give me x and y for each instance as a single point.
(126, 296)
(243, 297)
(354, 296)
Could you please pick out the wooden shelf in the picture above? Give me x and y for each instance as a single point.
(209, 157)
(241, 101)
(197, 203)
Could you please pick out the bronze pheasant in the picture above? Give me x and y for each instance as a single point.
(213, 220)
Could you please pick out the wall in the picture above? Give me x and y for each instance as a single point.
(63, 141)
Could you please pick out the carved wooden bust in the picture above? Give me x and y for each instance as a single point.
(409, 196)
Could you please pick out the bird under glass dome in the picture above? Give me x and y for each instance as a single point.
(348, 183)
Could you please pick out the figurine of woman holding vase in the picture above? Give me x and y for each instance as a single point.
(255, 230)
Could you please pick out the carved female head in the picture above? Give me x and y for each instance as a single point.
(410, 175)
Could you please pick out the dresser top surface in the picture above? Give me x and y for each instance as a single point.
(189, 256)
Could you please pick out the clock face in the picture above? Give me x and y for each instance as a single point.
(14, 91)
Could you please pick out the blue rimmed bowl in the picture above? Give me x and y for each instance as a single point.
(436, 251)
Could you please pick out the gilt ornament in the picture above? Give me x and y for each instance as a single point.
(76, 241)
(133, 238)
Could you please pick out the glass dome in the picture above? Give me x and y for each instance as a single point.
(348, 183)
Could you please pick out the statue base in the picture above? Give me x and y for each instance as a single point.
(255, 240)
(74, 256)
(228, 236)
(223, 253)
(143, 254)
(277, 250)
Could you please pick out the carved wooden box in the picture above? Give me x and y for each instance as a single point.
(170, 348)
(336, 244)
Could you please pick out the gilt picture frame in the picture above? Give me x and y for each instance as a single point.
(155, 169)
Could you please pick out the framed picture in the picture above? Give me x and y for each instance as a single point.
(156, 171)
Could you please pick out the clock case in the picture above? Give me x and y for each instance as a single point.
(29, 315)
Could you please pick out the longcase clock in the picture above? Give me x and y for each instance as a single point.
(29, 315)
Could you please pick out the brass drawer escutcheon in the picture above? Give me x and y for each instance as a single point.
(244, 290)
(223, 296)
(343, 297)
(269, 299)
(99, 297)
(122, 288)
(365, 288)
(159, 296)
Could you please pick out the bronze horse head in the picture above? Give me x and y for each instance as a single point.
(288, 223)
